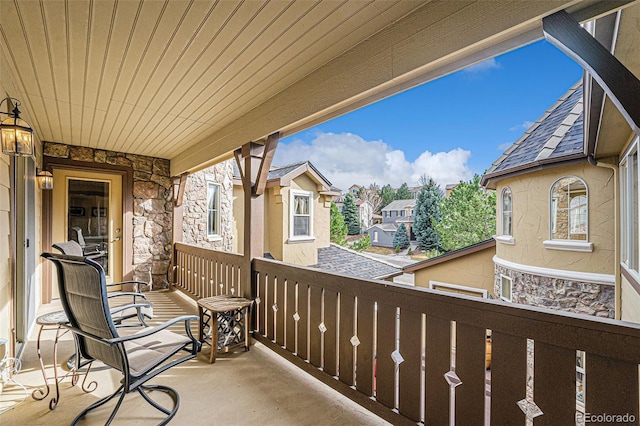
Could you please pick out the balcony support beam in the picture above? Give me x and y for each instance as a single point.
(251, 155)
(619, 84)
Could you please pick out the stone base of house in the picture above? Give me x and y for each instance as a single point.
(556, 293)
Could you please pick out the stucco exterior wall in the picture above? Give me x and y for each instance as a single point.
(194, 224)
(630, 302)
(304, 252)
(531, 219)
(5, 254)
(472, 270)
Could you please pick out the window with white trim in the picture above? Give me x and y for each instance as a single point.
(375, 236)
(568, 209)
(301, 218)
(629, 229)
(507, 212)
(213, 209)
(506, 285)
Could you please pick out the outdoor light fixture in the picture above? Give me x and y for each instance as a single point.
(16, 135)
(45, 179)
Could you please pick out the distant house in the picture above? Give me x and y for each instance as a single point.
(397, 212)
(365, 212)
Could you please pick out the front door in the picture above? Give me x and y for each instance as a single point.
(87, 208)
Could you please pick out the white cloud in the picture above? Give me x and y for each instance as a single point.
(346, 159)
(482, 67)
(524, 126)
(504, 146)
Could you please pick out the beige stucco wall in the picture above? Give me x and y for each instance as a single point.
(5, 255)
(630, 302)
(473, 270)
(531, 214)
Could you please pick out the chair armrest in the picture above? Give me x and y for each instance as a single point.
(126, 293)
(129, 306)
(152, 330)
(136, 286)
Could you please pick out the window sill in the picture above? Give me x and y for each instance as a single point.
(214, 238)
(294, 240)
(504, 239)
(581, 246)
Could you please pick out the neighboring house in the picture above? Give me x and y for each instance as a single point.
(398, 211)
(297, 204)
(468, 270)
(556, 227)
(296, 210)
(355, 190)
(341, 260)
(365, 211)
(365, 214)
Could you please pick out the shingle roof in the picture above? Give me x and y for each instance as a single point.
(558, 133)
(400, 204)
(277, 172)
(347, 262)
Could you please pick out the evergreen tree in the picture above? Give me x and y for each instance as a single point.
(403, 193)
(387, 195)
(401, 239)
(468, 216)
(337, 227)
(427, 214)
(350, 213)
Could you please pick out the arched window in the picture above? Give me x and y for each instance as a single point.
(569, 209)
(507, 212)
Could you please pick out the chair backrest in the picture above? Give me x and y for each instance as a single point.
(79, 235)
(83, 294)
(69, 247)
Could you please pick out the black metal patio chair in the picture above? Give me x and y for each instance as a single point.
(139, 357)
(138, 305)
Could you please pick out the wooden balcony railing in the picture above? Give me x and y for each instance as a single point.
(421, 354)
(204, 273)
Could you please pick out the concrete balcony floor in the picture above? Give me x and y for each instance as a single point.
(240, 388)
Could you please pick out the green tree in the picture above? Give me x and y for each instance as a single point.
(350, 213)
(387, 195)
(401, 239)
(337, 227)
(468, 216)
(362, 244)
(403, 193)
(427, 214)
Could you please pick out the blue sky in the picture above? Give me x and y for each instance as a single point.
(449, 128)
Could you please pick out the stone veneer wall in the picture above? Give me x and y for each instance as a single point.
(152, 206)
(194, 213)
(560, 294)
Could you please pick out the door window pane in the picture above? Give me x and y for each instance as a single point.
(88, 218)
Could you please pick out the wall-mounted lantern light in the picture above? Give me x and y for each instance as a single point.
(45, 179)
(16, 136)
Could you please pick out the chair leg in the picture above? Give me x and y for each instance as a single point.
(170, 391)
(100, 403)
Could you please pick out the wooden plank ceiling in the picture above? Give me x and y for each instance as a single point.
(181, 79)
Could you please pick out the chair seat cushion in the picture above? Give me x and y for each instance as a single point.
(147, 352)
